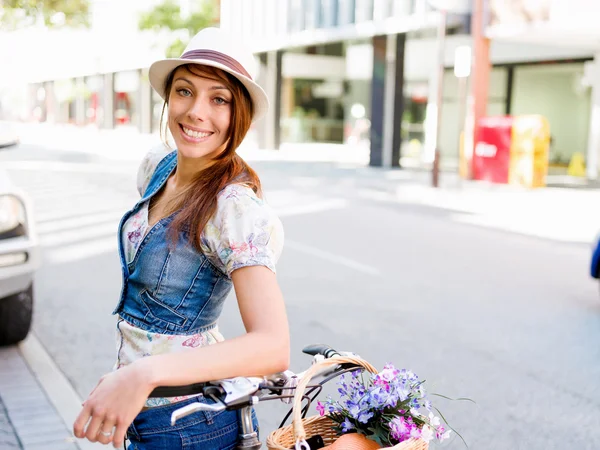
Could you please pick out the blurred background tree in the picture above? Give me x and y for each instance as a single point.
(51, 13)
(185, 24)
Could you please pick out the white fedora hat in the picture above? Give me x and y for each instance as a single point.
(214, 47)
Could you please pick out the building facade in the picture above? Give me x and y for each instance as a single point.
(365, 71)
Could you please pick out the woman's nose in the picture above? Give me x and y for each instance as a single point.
(199, 109)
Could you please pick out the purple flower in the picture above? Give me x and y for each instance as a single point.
(364, 416)
(321, 408)
(347, 425)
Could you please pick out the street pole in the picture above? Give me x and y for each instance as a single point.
(479, 86)
(462, 70)
(462, 110)
(441, 35)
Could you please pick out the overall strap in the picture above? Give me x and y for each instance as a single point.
(162, 171)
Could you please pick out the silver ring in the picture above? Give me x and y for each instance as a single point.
(106, 433)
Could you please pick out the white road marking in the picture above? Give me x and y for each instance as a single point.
(59, 225)
(562, 229)
(82, 209)
(58, 389)
(326, 205)
(75, 167)
(70, 253)
(336, 259)
(73, 236)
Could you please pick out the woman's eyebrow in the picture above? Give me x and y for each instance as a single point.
(217, 88)
(183, 79)
(212, 88)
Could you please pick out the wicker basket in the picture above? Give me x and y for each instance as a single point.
(286, 437)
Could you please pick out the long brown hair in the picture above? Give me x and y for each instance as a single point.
(199, 202)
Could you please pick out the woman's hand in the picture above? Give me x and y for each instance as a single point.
(113, 404)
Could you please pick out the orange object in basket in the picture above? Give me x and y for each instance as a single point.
(353, 441)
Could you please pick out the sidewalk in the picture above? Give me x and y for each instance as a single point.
(568, 214)
(38, 405)
(556, 213)
(28, 421)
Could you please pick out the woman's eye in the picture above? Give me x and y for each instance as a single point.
(220, 101)
(184, 92)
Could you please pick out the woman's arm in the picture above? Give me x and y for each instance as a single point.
(263, 350)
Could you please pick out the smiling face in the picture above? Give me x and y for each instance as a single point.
(200, 108)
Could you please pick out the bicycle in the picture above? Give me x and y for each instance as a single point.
(243, 393)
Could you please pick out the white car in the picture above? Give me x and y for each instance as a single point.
(19, 259)
(8, 135)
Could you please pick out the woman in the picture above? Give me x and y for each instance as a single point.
(199, 229)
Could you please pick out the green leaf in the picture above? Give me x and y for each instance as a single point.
(449, 426)
(175, 49)
(16, 14)
(165, 15)
(454, 399)
(168, 16)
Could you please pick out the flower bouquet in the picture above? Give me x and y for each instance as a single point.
(389, 407)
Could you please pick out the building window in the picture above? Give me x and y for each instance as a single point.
(346, 9)
(329, 13)
(295, 15)
(311, 14)
(364, 10)
(126, 98)
(403, 7)
(382, 9)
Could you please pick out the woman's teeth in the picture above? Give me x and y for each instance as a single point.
(195, 134)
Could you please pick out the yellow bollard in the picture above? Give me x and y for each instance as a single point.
(576, 165)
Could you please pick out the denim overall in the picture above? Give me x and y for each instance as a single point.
(173, 289)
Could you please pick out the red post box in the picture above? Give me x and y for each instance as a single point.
(491, 155)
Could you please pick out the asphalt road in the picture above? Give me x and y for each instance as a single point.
(510, 321)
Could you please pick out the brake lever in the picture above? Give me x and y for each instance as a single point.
(237, 392)
(195, 407)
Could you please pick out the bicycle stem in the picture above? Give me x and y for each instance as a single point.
(248, 436)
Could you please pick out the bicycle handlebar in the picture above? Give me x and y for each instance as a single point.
(234, 393)
(320, 349)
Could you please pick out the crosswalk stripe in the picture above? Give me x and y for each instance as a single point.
(73, 167)
(71, 253)
(54, 214)
(77, 236)
(61, 224)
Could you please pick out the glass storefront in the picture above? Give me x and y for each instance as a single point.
(357, 95)
(94, 96)
(557, 92)
(314, 89)
(127, 98)
(413, 118)
(64, 95)
(38, 105)
(315, 111)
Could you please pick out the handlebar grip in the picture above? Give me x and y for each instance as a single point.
(178, 391)
(320, 349)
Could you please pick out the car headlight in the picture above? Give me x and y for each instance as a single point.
(12, 217)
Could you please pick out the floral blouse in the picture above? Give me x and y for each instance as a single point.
(244, 231)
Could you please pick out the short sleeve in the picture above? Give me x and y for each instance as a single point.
(244, 231)
(148, 165)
